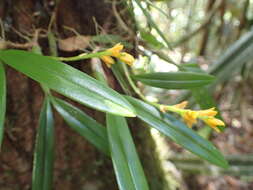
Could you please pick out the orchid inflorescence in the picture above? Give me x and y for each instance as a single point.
(190, 116)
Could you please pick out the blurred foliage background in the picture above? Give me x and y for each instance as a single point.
(217, 36)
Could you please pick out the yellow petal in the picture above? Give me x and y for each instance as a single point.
(213, 122)
(115, 50)
(209, 112)
(108, 60)
(190, 117)
(126, 58)
(181, 105)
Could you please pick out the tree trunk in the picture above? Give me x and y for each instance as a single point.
(78, 165)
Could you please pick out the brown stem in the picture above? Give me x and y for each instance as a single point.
(204, 40)
(243, 19)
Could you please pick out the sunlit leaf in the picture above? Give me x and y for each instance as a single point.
(175, 80)
(68, 81)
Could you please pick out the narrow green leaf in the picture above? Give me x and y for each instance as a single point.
(44, 151)
(2, 101)
(175, 80)
(111, 39)
(191, 67)
(152, 22)
(179, 133)
(68, 81)
(118, 72)
(84, 125)
(127, 166)
(233, 58)
(151, 39)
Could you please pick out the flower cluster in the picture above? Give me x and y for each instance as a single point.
(190, 117)
(115, 51)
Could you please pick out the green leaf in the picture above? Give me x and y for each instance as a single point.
(233, 58)
(44, 151)
(84, 125)
(152, 40)
(175, 80)
(118, 71)
(2, 101)
(127, 166)
(153, 23)
(179, 133)
(68, 81)
(111, 39)
(191, 67)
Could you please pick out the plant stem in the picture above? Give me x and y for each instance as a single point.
(82, 56)
(153, 24)
(132, 84)
(137, 90)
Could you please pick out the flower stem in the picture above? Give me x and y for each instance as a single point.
(137, 90)
(82, 56)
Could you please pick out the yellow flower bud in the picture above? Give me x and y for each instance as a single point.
(108, 60)
(209, 112)
(126, 58)
(213, 122)
(115, 50)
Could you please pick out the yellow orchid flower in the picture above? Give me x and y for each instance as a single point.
(126, 58)
(190, 117)
(115, 51)
(214, 122)
(181, 105)
(108, 60)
